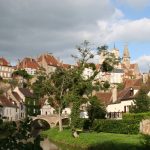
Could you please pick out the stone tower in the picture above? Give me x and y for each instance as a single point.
(126, 56)
(115, 51)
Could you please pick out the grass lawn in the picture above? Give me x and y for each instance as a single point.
(95, 141)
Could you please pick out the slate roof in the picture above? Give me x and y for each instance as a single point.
(18, 98)
(26, 92)
(125, 94)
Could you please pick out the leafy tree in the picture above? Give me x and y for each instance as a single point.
(110, 59)
(142, 101)
(68, 86)
(95, 109)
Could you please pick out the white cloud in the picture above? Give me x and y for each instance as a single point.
(144, 63)
(125, 30)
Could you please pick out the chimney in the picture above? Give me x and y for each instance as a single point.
(114, 94)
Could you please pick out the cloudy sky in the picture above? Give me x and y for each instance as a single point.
(32, 27)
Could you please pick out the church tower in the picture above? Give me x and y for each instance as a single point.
(115, 51)
(126, 56)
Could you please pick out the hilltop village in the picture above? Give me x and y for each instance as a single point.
(17, 99)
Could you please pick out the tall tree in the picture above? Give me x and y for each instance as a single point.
(142, 101)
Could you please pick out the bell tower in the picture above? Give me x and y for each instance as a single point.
(126, 56)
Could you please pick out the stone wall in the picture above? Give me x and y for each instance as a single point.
(145, 126)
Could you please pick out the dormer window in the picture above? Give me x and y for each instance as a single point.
(131, 91)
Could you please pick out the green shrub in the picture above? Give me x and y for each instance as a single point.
(116, 126)
(146, 142)
(137, 116)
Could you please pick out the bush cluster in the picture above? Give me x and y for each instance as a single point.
(137, 116)
(116, 126)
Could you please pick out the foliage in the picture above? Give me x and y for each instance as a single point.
(117, 126)
(13, 83)
(110, 59)
(94, 141)
(38, 86)
(120, 86)
(18, 138)
(137, 116)
(146, 142)
(105, 85)
(142, 102)
(22, 73)
(32, 106)
(95, 109)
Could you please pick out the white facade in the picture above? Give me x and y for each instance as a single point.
(116, 77)
(30, 71)
(6, 71)
(47, 109)
(123, 106)
(20, 105)
(66, 111)
(10, 113)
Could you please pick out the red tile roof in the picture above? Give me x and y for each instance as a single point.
(4, 101)
(28, 63)
(134, 83)
(50, 60)
(4, 62)
(104, 97)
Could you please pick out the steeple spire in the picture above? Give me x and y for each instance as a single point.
(126, 56)
(126, 52)
(114, 46)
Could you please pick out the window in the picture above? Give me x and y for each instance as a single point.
(125, 109)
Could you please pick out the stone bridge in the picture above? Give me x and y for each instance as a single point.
(52, 120)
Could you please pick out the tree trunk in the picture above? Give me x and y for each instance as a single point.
(60, 120)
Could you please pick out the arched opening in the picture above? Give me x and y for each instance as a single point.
(39, 125)
(65, 122)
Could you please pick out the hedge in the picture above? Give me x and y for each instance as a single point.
(116, 126)
(137, 116)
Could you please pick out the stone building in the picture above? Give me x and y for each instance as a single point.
(6, 69)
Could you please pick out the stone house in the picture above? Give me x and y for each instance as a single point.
(32, 106)
(6, 69)
(119, 102)
(19, 102)
(48, 62)
(8, 109)
(30, 65)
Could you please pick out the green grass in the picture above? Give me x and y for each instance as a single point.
(95, 141)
